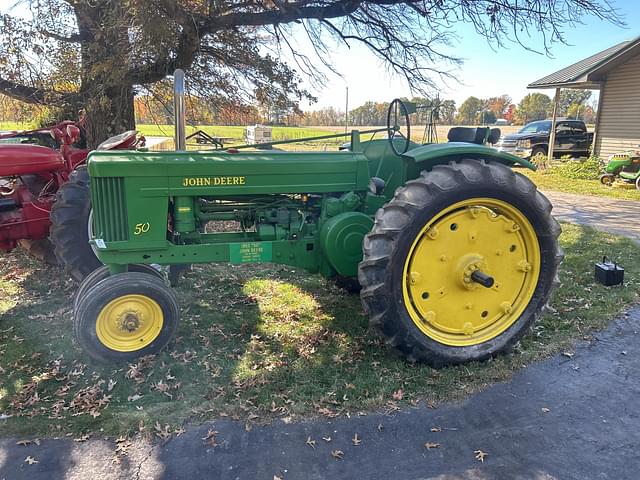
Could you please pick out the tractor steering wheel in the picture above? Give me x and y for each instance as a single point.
(396, 116)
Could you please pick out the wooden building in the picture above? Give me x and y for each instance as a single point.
(616, 73)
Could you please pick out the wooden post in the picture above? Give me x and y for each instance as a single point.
(552, 136)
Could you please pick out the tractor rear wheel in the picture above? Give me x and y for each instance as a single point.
(460, 263)
(69, 220)
(126, 316)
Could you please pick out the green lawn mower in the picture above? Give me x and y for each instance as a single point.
(623, 168)
(456, 254)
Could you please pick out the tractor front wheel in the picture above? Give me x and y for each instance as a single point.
(607, 179)
(69, 220)
(126, 316)
(460, 263)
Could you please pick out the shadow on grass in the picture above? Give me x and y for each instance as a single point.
(264, 341)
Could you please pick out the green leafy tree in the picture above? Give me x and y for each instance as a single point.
(447, 112)
(534, 106)
(570, 97)
(468, 113)
(97, 55)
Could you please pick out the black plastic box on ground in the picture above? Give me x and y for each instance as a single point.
(609, 273)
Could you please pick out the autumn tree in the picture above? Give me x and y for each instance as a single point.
(97, 55)
(498, 105)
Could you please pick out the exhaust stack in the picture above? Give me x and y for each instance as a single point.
(178, 108)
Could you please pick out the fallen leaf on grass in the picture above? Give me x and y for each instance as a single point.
(24, 443)
(356, 441)
(436, 429)
(311, 443)
(30, 460)
(480, 455)
(161, 432)
(83, 438)
(545, 410)
(430, 445)
(326, 439)
(111, 384)
(337, 454)
(134, 398)
(398, 394)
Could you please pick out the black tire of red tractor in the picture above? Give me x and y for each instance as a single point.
(41, 249)
(110, 288)
(399, 222)
(102, 272)
(69, 219)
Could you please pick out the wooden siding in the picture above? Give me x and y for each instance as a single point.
(619, 127)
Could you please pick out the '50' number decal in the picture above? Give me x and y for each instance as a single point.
(141, 228)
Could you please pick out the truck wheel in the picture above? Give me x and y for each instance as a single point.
(460, 263)
(539, 155)
(102, 272)
(126, 316)
(41, 249)
(69, 218)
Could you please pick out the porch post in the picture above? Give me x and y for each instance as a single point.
(552, 136)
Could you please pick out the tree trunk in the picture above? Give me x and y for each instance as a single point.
(108, 113)
(107, 95)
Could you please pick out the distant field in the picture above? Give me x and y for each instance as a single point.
(234, 134)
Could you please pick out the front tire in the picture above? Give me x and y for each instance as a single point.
(126, 316)
(69, 220)
(419, 259)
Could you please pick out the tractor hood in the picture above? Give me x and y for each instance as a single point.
(19, 159)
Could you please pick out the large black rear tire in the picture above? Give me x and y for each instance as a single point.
(386, 274)
(69, 221)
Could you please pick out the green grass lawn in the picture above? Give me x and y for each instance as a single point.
(554, 181)
(258, 342)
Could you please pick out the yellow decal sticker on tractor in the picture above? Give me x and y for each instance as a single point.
(212, 181)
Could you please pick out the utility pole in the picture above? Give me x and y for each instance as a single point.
(346, 111)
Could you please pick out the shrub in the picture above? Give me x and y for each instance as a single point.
(588, 169)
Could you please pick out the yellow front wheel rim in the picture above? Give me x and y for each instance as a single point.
(484, 234)
(129, 323)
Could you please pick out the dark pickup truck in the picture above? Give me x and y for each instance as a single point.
(532, 140)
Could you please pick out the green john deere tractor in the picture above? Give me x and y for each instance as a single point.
(455, 253)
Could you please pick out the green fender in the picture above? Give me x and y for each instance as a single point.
(439, 153)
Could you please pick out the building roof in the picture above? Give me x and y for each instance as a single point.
(588, 73)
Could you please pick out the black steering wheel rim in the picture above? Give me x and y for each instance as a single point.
(397, 109)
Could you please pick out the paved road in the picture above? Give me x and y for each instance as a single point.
(608, 214)
(565, 418)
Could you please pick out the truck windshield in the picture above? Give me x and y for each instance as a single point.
(536, 127)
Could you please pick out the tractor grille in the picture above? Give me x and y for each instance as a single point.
(110, 212)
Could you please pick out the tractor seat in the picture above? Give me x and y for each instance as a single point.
(479, 135)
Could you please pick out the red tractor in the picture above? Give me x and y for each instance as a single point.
(43, 178)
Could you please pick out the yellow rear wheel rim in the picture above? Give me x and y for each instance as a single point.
(129, 323)
(483, 234)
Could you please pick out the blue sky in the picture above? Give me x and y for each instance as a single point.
(485, 72)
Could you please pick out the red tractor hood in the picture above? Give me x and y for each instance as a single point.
(28, 159)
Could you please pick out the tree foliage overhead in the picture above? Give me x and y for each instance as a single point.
(97, 54)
